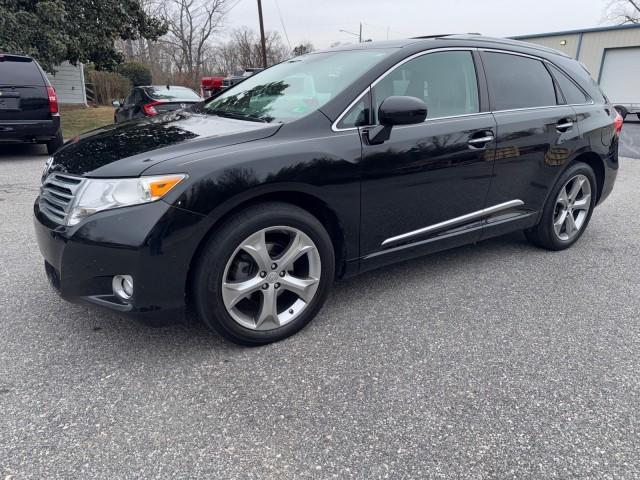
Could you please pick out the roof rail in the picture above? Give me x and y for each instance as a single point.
(443, 35)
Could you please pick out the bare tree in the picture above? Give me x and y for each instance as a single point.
(243, 50)
(304, 47)
(623, 11)
(191, 24)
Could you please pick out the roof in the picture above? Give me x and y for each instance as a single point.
(16, 57)
(369, 45)
(584, 30)
(433, 41)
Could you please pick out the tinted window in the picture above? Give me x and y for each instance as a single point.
(130, 98)
(446, 81)
(518, 82)
(572, 94)
(172, 93)
(22, 72)
(358, 115)
(296, 87)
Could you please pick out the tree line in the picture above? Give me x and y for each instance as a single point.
(179, 41)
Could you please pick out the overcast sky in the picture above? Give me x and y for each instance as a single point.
(320, 21)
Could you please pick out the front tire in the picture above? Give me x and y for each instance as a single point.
(568, 209)
(264, 274)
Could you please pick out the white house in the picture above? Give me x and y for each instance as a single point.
(69, 83)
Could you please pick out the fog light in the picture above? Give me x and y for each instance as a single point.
(123, 286)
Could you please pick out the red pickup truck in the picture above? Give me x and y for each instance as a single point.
(210, 86)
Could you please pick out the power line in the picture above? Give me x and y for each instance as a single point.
(233, 6)
(282, 23)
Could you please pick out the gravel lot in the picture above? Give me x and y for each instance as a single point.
(497, 360)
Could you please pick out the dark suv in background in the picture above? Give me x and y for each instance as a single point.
(28, 104)
(326, 165)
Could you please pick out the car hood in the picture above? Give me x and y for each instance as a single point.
(128, 149)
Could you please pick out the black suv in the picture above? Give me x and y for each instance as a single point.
(333, 163)
(28, 104)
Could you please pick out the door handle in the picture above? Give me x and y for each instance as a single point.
(564, 125)
(478, 143)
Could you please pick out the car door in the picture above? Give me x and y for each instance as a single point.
(136, 106)
(537, 135)
(131, 105)
(123, 112)
(427, 184)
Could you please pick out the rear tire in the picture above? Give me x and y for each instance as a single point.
(55, 143)
(568, 209)
(264, 274)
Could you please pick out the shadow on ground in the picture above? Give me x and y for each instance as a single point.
(189, 335)
(28, 151)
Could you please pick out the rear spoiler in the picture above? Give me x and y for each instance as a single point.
(8, 57)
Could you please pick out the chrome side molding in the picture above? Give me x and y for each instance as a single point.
(454, 221)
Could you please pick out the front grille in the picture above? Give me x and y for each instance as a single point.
(56, 195)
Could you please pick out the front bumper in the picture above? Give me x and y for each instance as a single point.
(29, 131)
(154, 243)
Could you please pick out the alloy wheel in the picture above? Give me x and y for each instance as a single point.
(271, 278)
(572, 207)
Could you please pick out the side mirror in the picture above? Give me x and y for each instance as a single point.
(396, 110)
(116, 103)
(402, 111)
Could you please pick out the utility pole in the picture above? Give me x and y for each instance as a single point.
(262, 39)
(360, 36)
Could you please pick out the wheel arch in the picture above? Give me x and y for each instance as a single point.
(597, 165)
(292, 194)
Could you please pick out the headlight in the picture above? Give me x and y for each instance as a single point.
(97, 194)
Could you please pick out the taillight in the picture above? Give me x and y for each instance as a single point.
(53, 99)
(617, 123)
(150, 109)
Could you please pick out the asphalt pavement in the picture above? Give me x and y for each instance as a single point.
(630, 138)
(496, 360)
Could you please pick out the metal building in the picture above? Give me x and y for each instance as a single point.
(68, 80)
(611, 54)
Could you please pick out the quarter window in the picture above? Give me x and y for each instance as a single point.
(357, 116)
(518, 82)
(446, 81)
(572, 94)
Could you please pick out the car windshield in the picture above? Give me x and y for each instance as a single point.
(178, 94)
(294, 88)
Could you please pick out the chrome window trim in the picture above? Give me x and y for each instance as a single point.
(454, 221)
(437, 119)
(334, 125)
(591, 101)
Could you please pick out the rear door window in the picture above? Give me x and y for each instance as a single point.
(572, 94)
(130, 98)
(518, 82)
(19, 72)
(171, 93)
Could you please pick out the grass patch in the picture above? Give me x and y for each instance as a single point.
(76, 120)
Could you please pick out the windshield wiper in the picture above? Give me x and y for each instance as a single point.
(237, 116)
